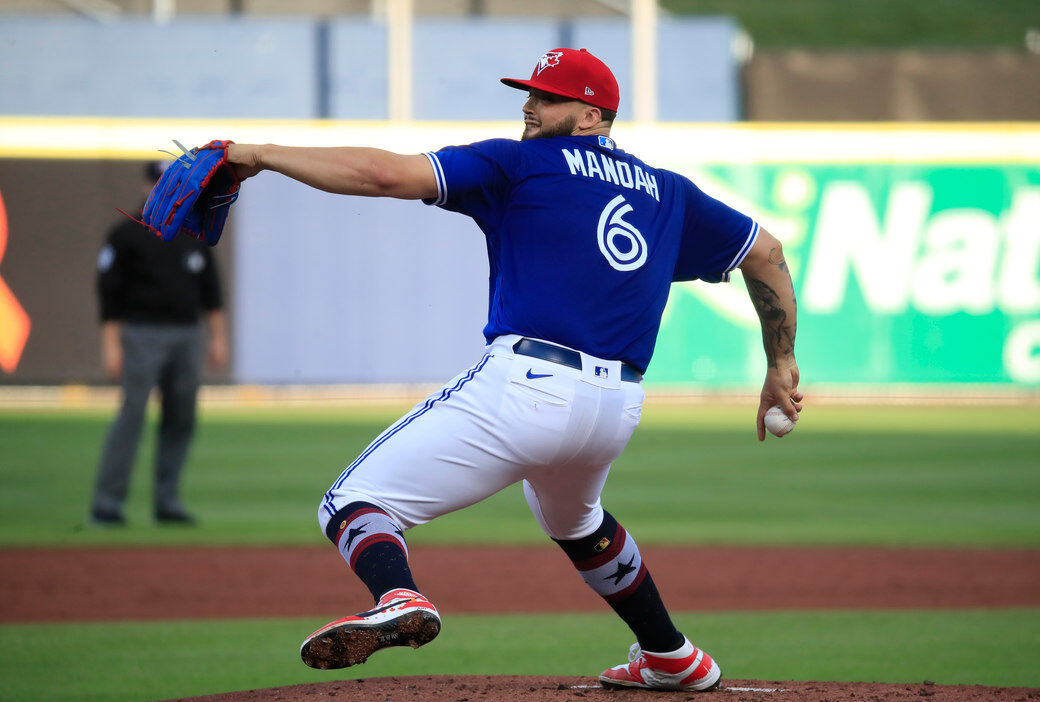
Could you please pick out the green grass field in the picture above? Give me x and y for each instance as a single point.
(890, 475)
(148, 661)
(850, 475)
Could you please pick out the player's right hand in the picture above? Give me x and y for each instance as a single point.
(780, 388)
(217, 352)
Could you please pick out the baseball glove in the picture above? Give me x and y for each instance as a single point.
(193, 195)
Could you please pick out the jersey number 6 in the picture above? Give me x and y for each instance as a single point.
(614, 230)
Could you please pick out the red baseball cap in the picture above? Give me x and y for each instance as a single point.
(572, 73)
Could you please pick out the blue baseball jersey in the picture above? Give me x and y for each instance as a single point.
(584, 239)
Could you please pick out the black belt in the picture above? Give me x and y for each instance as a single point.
(567, 357)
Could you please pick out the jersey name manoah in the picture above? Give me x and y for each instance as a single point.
(584, 239)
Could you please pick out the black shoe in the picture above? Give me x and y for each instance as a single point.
(174, 517)
(107, 518)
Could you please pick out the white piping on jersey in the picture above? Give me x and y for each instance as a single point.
(612, 171)
(438, 173)
(744, 250)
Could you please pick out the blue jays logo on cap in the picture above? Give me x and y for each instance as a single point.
(549, 58)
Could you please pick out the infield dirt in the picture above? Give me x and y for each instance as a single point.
(530, 688)
(109, 584)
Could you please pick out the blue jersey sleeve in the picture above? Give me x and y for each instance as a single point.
(475, 179)
(716, 238)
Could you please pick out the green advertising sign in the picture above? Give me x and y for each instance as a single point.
(905, 273)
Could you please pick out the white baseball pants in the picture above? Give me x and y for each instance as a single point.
(507, 418)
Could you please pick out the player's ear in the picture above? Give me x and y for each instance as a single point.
(590, 117)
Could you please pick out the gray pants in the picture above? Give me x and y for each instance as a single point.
(168, 357)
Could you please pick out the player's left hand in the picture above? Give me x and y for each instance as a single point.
(780, 388)
(217, 352)
(112, 351)
(245, 159)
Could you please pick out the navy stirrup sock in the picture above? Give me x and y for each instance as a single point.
(373, 545)
(609, 562)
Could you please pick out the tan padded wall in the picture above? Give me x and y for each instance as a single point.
(899, 86)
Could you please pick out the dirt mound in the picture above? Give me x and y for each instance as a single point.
(507, 688)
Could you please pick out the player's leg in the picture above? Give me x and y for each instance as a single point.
(437, 458)
(141, 361)
(609, 561)
(446, 454)
(178, 385)
(373, 545)
(565, 501)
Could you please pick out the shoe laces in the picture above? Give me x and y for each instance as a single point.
(634, 653)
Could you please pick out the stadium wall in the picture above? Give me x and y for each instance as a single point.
(906, 85)
(337, 68)
(915, 251)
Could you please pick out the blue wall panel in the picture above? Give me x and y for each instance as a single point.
(190, 68)
(458, 64)
(297, 68)
(697, 78)
(357, 70)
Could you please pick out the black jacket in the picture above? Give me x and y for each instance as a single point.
(144, 279)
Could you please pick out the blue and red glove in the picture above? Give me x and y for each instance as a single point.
(193, 195)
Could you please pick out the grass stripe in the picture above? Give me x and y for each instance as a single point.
(902, 476)
(149, 660)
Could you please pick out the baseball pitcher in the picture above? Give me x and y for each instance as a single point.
(583, 241)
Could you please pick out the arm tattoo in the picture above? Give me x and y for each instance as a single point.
(776, 257)
(777, 333)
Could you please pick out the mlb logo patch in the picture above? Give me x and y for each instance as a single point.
(602, 372)
(606, 142)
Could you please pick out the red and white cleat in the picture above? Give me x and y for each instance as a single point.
(688, 668)
(400, 618)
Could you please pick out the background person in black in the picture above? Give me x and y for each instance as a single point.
(151, 294)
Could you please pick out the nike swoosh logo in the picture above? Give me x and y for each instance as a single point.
(377, 610)
(532, 376)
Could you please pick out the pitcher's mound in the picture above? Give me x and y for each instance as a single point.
(526, 688)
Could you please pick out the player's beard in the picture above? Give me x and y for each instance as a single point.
(565, 127)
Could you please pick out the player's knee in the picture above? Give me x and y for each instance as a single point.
(589, 523)
(593, 542)
(335, 500)
(568, 527)
(325, 514)
(331, 503)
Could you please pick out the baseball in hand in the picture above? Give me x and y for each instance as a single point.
(777, 422)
